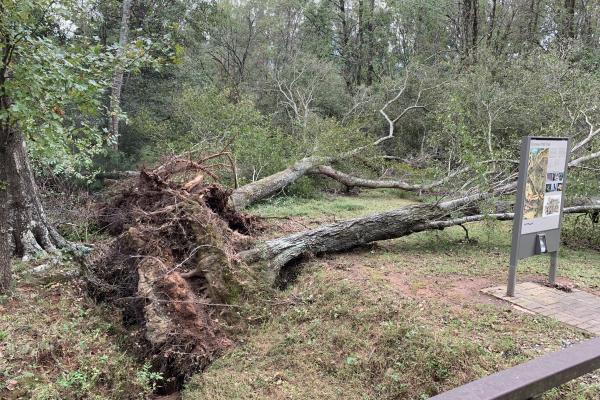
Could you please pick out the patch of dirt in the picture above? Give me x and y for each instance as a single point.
(454, 289)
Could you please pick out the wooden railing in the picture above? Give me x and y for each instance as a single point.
(525, 381)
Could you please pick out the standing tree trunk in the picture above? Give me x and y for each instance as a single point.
(371, 43)
(491, 23)
(569, 26)
(115, 95)
(5, 251)
(532, 25)
(344, 47)
(31, 234)
(470, 27)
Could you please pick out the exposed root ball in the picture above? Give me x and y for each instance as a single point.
(168, 267)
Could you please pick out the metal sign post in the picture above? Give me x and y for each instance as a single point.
(539, 205)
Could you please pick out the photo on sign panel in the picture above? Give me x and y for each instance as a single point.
(552, 204)
(536, 182)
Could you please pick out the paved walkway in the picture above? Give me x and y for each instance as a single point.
(576, 308)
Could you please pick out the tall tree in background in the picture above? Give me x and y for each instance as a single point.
(117, 83)
(470, 27)
(569, 24)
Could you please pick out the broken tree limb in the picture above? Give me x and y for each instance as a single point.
(354, 181)
(273, 184)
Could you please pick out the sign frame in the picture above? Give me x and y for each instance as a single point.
(537, 242)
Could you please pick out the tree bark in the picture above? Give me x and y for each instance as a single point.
(341, 236)
(355, 232)
(115, 95)
(491, 23)
(371, 43)
(361, 47)
(470, 27)
(353, 181)
(5, 251)
(31, 234)
(273, 184)
(569, 26)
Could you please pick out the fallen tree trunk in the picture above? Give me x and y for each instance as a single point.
(273, 184)
(355, 232)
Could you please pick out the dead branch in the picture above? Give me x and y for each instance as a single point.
(354, 181)
(592, 132)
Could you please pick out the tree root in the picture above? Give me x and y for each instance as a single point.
(169, 261)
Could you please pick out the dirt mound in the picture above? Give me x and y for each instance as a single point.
(169, 267)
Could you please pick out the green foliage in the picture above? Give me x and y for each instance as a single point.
(213, 123)
(148, 379)
(57, 83)
(582, 231)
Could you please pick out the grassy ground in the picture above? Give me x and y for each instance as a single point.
(56, 344)
(330, 206)
(403, 319)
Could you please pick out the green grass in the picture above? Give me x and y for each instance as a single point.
(380, 322)
(56, 344)
(442, 253)
(330, 205)
(346, 329)
(332, 338)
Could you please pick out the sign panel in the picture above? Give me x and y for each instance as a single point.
(540, 194)
(544, 185)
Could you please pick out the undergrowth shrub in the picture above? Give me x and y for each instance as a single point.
(582, 231)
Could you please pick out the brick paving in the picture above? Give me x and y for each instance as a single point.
(576, 308)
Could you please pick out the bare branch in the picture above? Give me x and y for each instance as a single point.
(353, 181)
(591, 134)
(582, 159)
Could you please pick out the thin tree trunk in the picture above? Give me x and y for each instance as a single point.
(532, 24)
(475, 26)
(492, 23)
(569, 28)
(361, 46)
(5, 250)
(371, 43)
(345, 42)
(466, 27)
(115, 95)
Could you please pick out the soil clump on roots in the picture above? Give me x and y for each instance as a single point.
(170, 267)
